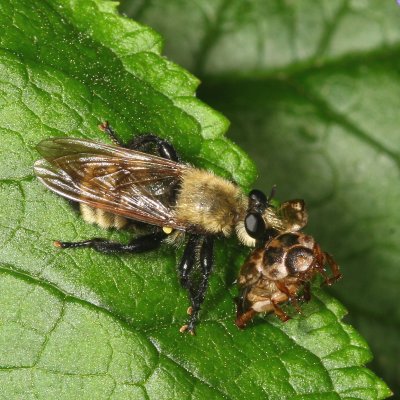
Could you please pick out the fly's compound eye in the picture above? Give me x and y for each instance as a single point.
(255, 225)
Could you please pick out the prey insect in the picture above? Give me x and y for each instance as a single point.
(114, 184)
(278, 272)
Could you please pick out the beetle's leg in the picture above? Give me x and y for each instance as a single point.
(306, 296)
(279, 312)
(164, 148)
(336, 274)
(244, 318)
(244, 312)
(138, 245)
(321, 259)
(293, 299)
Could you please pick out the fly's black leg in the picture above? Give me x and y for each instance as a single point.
(197, 291)
(138, 245)
(206, 264)
(188, 260)
(164, 148)
(105, 127)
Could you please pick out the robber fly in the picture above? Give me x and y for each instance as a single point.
(114, 184)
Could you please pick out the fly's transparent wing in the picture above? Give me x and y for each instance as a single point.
(125, 182)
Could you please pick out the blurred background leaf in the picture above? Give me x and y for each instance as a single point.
(312, 90)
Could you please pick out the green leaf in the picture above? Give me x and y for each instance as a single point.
(312, 91)
(83, 325)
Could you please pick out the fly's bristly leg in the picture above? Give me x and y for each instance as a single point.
(138, 245)
(186, 267)
(188, 260)
(197, 289)
(164, 148)
(105, 127)
(206, 264)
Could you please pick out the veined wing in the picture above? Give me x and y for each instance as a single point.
(125, 182)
